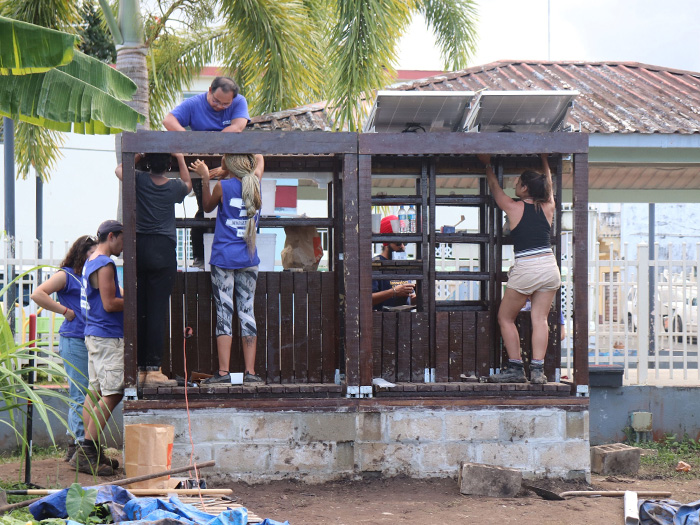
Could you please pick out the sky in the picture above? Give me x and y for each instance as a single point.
(652, 32)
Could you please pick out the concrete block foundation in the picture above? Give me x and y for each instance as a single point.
(336, 443)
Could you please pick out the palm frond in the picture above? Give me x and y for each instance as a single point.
(38, 148)
(279, 68)
(27, 48)
(54, 14)
(453, 23)
(178, 59)
(363, 51)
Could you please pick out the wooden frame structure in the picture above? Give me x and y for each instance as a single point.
(353, 157)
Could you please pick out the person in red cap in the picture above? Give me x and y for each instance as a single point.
(386, 293)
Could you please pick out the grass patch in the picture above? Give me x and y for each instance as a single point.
(37, 454)
(669, 451)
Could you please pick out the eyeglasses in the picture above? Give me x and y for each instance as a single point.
(217, 103)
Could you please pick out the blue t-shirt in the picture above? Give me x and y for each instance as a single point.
(70, 297)
(229, 249)
(196, 113)
(98, 321)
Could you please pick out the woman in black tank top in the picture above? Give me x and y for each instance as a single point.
(534, 275)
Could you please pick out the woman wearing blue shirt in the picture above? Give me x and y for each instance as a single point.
(66, 284)
(234, 258)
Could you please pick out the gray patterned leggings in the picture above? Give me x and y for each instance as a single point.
(224, 283)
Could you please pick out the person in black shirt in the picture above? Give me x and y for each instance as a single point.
(394, 292)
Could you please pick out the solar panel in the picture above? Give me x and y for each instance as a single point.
(520, 111)
(397, 111)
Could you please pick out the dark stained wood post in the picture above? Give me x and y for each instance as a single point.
(580, 273)
(352, 255)
(129, 222)
(364, 226)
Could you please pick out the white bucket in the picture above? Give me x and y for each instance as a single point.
(268, 188)
(266, 243)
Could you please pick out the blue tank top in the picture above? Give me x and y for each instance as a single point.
(229, 249)
(99, 322)
(70, 297)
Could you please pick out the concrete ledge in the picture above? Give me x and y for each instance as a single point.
(421, 442)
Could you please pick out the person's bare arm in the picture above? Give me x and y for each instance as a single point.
(547, 174)
(172, 124)
(108, 290)
(42, 295)
(502, 200)
(210, 200)
(400, 290)
(120, 169)
(259, 166)
(237, 125)
(184, 172)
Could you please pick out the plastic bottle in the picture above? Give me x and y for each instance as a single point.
(412, 219)
(402, 220)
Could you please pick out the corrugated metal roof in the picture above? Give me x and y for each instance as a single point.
(616, 97)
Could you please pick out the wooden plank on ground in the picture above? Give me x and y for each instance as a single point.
(287, 326)
(315, 360)
(419, 346)
(273, 327)
(403, 347)
(442, 346)
(301, 336)
(389, 322)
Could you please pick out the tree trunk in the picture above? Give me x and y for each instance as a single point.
(131, 60)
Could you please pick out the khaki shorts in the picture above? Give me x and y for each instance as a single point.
(105, 364)
(539, 274)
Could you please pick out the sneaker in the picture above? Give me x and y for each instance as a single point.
(70, 450)
(252, 378)
(155, 377)
(537, 376)
(217, 379)
(513, 374)
(198, 262)
(87, 460)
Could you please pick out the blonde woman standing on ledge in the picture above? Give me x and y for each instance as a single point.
(234, 259)
(535, 273)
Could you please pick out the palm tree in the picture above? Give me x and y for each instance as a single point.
(284, 53)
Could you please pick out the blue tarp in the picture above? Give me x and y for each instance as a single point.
(669, 512)
(128, 510)
(54, 505)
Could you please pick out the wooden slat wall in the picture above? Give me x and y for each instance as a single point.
(296, 316)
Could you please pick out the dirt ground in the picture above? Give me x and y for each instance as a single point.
(402, 500)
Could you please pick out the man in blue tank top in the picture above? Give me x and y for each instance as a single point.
(103, 308)
(221, 108)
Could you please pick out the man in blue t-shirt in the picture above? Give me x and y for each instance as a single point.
(221, 108)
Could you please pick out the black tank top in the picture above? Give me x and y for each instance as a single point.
(532, 234)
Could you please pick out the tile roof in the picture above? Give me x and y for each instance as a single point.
(312, 117)
(616, 97)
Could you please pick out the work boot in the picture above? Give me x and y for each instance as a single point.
(537, 376)
(87, 459)
(70, 450)
(515, 373)
(155, 377)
